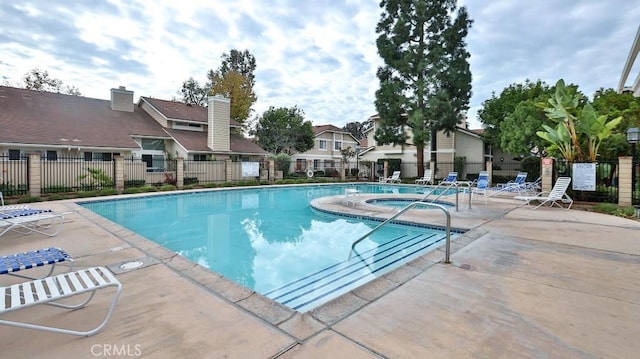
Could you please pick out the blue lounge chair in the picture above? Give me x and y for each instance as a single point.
(10, 264)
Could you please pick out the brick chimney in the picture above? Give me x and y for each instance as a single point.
(122, 99)
(219, 115)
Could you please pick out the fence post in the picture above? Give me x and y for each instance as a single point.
(228, 170)
(118, 172)
(272, 171)
(546, 174)
(385, 169)
(179, 172)
(489, 169)
(35, 177)
(343, 167)
(625, 181)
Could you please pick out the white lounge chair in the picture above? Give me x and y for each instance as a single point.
(394, 178)
(557, 195)
(28, 220)
(51, 290)
(426, 178)
(13, 263)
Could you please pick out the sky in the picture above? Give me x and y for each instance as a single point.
(318, 55)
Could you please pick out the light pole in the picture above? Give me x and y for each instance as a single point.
(633, 137)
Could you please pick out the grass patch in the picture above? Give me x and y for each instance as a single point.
(614, 210)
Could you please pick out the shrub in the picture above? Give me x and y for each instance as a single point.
(29, 199)
(132, 190)
(282, 162)
(57, 189)
(167, 187)
(190, 180)
(107, 192)
(134, 183)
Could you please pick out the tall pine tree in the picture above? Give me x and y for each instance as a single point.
(425, 83)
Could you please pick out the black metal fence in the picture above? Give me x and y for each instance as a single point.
(606, 182)
(72, 174)
(14, 175)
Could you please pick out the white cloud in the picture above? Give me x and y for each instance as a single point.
(319, 55)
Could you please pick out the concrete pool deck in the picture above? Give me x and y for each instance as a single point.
(521, 283)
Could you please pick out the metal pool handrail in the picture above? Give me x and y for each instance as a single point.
(455, 184)
(408, 207)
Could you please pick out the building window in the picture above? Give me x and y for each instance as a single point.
(14, 155)
(88, 156)
(199, 157)
(337, 145)
(155, 163)
(300, 164)
(153, 144)
(107, 156)
(316, 164)
(322, 144)
(52, 155)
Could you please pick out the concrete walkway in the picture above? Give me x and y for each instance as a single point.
(545, 283)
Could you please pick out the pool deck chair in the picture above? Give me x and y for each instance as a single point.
(452, 177)
(481, 186)
(51, 290)
(426, 178)
(28, 220)
(13, 263)
(394, 178)
(517, 185)
(557, 195)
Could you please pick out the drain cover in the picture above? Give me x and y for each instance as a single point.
(131, 265)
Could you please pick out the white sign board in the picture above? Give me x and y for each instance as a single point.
(584, 177)
(250, 169)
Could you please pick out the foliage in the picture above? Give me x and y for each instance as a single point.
(29, 199)
(39, 80)
(459, 164)
(283, 130)
(579, 131)
(497, 115)
(134, 183)
(614, 209)
(96, 178)
(234, 79)
(358, 129)
(615, 104)
(347, 153)
(57, 189)
(242, 62)
(282, 162)
(237, 88)
(531, 165)
(193, 93)
(425, 82)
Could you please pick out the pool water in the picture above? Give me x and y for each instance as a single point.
(270, 240)
(401, 203)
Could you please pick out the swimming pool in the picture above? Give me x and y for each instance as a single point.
(270, 240)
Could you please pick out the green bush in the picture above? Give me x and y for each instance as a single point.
(29, 199)
(167, 187)
(613, 209)
(190, 180)
(134, 183)
(132, 190)
(57, 189)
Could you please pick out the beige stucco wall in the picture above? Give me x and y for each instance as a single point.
(154, 114)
